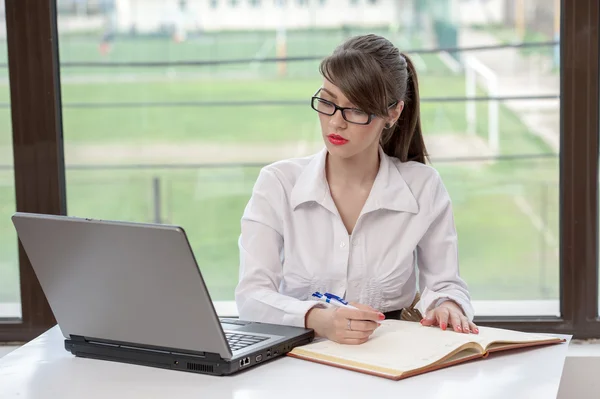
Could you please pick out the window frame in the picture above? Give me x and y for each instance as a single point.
(34, 72)
(579, 112)
(37, 143)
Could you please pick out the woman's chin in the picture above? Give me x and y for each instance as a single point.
(343, 151)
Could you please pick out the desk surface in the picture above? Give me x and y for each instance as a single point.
(43, 369)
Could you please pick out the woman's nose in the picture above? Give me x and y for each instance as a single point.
(337, 119)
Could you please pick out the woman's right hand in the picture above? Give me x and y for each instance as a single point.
(344, 325)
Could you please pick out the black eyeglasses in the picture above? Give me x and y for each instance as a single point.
(351, 115)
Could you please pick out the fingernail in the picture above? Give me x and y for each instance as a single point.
(458, 328)
(476, 330)
(443, 326)
(467, 330)
(381, 316)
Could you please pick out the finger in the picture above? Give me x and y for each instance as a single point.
(361, 325)
(465, 325)
(442, 317)
(347, 334)
(357, 314)
(456, 321)
(363, 307)
(474, 327)
(342, 323)
(429, 319)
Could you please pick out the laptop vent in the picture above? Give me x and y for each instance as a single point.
(205, 368)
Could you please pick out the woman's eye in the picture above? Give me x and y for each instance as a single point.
(358, 112)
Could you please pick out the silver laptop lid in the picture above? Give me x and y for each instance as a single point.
(127, 282)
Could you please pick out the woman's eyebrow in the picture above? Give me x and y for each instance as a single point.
(335, 98)
(328, 92)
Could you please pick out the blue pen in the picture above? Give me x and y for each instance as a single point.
(333, 300)
(337, 301)
(335, 297)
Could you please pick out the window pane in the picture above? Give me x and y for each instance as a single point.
(155, 142)
(505, 193)
(10, 296)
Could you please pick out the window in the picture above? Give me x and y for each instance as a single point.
(37, 185)
(214, 3)
(500, 167)
(490, 153)
(10, 296)
(144, 138)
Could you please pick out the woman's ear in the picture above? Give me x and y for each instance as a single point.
(395, 113)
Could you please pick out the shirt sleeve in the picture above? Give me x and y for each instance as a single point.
(261, 252)
(437, 257)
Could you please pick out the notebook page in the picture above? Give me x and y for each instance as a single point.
(487, 335)
(396, 345)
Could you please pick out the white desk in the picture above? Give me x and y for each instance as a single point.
(44, 369)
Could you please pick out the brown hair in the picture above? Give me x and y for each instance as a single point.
(373, 74)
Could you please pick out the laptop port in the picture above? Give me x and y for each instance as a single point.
(269, 353)
(258, 358)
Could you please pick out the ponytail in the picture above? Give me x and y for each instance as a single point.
(405, 141)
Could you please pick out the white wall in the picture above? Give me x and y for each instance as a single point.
(149, 15)
(580, 378)
(480, 12)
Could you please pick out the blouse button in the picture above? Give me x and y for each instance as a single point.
(343, 244)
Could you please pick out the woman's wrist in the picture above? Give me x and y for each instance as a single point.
(313, 319)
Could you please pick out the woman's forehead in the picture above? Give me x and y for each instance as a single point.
(334, 92)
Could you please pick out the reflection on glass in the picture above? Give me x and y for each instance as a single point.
(10, 296)
(152, 134)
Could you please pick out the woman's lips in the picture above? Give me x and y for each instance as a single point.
(336, 139)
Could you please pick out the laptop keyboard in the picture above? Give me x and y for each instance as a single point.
(241, 341)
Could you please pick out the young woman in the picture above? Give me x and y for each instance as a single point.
(359, 218)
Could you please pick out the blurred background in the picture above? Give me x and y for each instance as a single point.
(171, 107)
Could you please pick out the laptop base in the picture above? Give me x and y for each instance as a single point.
(211, 364)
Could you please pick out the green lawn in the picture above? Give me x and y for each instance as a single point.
(502, 253)
(500, 250)
(248, 123)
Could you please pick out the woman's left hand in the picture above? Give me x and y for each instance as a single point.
(449, 313)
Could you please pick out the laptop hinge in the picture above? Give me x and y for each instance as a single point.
(200, 355)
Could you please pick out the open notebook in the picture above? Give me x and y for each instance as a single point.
(400, 349)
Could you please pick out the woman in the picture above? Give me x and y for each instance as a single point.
(355, 219)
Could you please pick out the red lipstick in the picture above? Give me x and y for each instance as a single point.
(336, 139)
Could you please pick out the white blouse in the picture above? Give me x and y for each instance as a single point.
(293, 242)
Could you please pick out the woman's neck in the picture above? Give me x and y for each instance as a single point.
(358, 171)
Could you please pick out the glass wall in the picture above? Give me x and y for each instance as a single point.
(170, 110)
(10, 296)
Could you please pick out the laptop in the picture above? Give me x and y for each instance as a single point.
(133, 293)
